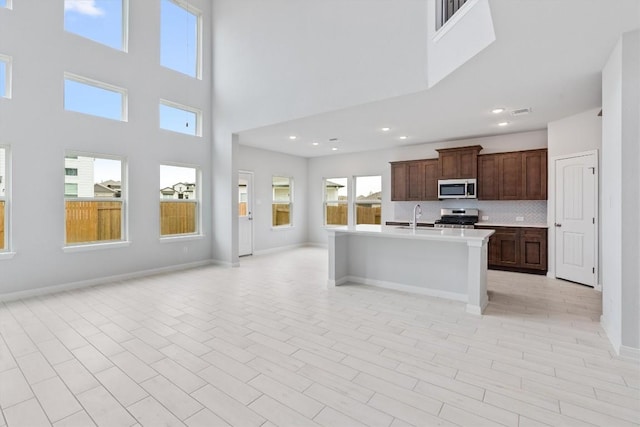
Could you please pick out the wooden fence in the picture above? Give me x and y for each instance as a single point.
(2, 225)
(368, 214)
(280, 214)
(90, 221)
(177, 217)
(337, 214)
(242, 209)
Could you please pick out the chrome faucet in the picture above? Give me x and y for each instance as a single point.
(417, 213)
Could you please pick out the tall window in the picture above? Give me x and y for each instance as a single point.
(180, 118)
(94, 205)
(282, 205)
(336, 204)
(103, 21)
(4, 169)
(5, 3)
(5, 76)
(94, 98)
(179, 195)
(180, 37)
(368, 201)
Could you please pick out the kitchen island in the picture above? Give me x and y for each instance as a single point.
(447, 263)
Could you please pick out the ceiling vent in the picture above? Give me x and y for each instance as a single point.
(521, 111)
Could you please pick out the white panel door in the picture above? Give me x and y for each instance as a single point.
(575, 219)
(245, 216)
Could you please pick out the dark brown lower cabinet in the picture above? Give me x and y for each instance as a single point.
(520, 249)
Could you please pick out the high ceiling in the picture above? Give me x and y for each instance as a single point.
(548, 56)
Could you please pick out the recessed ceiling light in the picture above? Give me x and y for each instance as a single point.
(315, 143)
(503, 123)
(386, 129)
(292, 137)
(334, 149)
(404, 137)
(497, 110)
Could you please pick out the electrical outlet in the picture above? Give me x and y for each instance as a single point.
(519, 218)
(485, 218)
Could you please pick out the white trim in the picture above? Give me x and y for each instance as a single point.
(9, 5)
(186, 108)
(7, 255)
(12, 296)
(613, 337)
(630, 352)
(401, 287)
(124, 109)
(172, 238)
(95, 246)
(8, 67)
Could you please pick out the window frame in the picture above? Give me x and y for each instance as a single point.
(325, 202)
(186, 108)
(199, 37)
(8, 69)
(123, 199)
(124, 109)
(198, 202)
(8, 5)
(365, 202)
(276, 202)
(5, 251)
(124, 36)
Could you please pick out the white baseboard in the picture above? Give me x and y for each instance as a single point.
(13, 296)
(630, 352)
(289, 247)
(402, 287)
(614, 338)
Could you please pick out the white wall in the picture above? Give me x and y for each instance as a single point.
(314, 56)
(571, 135)
(465, 35)
(620, 201)
(377, 163)
(264, 165)
(38, 131)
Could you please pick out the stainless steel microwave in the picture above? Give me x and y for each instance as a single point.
(457, 189)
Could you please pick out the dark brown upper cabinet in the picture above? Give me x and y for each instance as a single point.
(460, 162)
(518, 175)
(414, 180)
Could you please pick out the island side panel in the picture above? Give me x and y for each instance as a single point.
(436, 268)
(338, 245)
(477, 277)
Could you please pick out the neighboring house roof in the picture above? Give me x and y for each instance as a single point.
(334, 184)
(372, 196)
(112, 184)
(103, 189)
(167, 190)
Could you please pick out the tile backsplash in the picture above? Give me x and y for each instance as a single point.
(503, 212)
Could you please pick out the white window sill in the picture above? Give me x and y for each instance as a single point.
(282, 228)
(95, 247)
(7, 255)
(181, 238)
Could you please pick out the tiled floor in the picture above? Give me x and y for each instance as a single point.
(266, 344)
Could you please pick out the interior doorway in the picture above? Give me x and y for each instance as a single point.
(575, 221)
(245, 213)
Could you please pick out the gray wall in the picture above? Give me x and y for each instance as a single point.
(38, 131)
(620, 199)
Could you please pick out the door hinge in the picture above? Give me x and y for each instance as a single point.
(593, 270)
(593, 220)
(593, 170)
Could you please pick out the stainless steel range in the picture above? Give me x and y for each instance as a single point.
(457, 218)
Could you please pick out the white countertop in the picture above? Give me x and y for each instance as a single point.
(511, 224)
(392, 231)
